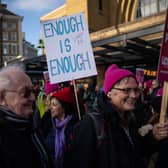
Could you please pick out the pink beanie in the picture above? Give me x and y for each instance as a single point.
(49, 88)
(113, 75)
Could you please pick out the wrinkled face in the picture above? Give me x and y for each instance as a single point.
(57, 111)
(19, 97)
(124, 94)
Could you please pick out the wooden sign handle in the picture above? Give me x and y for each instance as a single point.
(164, 103)
(77, 102)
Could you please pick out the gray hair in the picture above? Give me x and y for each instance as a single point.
(124, 80)
(155, 81)
(6, 77)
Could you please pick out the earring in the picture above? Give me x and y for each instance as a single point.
(109, 94)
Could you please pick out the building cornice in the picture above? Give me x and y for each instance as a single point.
(136, 25)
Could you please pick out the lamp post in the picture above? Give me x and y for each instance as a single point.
(41, 45)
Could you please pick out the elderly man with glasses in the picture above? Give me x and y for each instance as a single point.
(20, 145)
(111, 139)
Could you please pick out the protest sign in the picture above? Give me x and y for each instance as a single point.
(163, 60)
(46, 75)
(140, 75)
(68, 49)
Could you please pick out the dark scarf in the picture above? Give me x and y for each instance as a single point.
(9, 118)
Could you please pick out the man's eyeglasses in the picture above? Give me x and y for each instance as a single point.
(25, 92)
(129, 90)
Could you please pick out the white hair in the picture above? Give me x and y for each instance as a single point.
(6, 77)
(124, 80)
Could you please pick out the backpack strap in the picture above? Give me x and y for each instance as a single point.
(98, 123)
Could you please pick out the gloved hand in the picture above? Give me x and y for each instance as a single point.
(145, 129)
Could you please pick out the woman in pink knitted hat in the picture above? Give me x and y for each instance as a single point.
(108, 137)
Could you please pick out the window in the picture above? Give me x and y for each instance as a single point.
(138, 12)
(149, 7)
(163, 4)
(14, 49)
(100, 5)
(13, 36)
(4, 25)
(5, 49)
(153, 7)
(12, 25)
(5, 36)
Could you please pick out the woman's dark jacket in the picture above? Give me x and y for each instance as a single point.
(116, 150)
(48, 131)
(20, 145)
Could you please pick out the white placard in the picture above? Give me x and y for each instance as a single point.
(68, 49)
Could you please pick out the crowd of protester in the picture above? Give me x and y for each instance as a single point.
(118, 125)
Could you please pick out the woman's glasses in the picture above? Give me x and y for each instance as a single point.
(129, 90)
(26, 92)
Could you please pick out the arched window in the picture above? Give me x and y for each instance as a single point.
(163, 5)
(150, 7)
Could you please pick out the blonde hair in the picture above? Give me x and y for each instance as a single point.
(47, 102)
